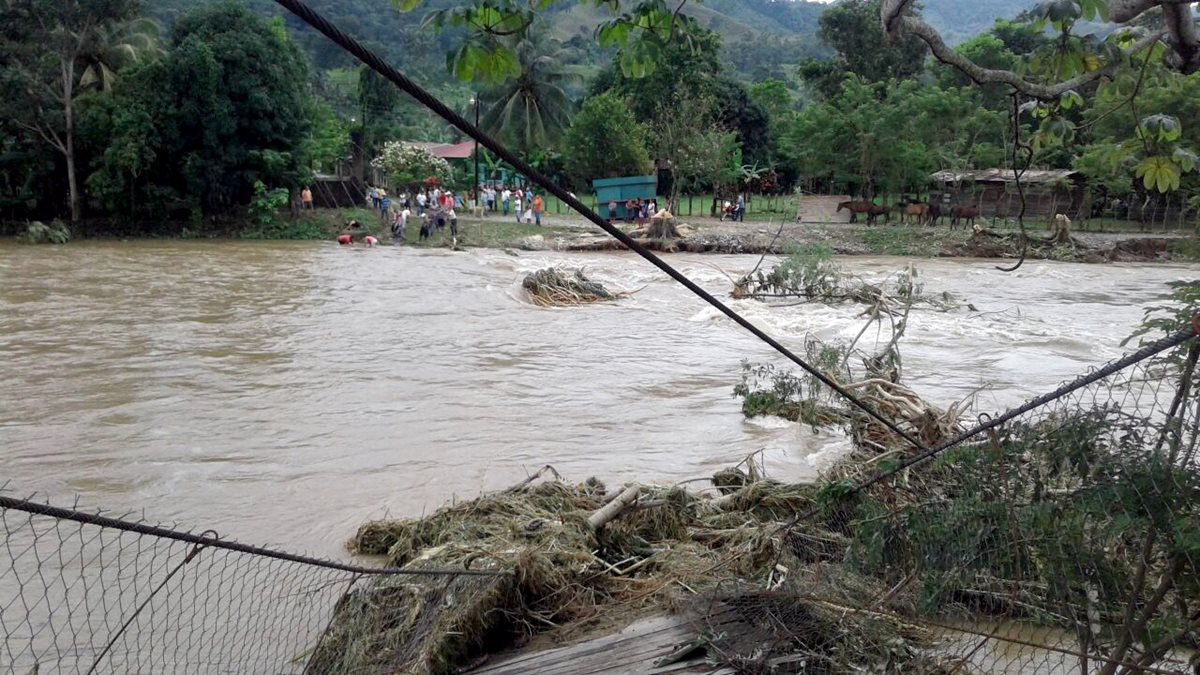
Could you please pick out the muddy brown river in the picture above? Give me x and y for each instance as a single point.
(282, 393)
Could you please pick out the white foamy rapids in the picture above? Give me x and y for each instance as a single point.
(303, 388)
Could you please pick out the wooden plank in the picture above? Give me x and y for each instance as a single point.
(637, 631)
(627, 651)
(634, 649)
(626, 656)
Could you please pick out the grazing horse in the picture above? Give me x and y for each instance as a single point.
(935, 213)
(967, 213)
(918, 212)
(856, 208)
(874, 211)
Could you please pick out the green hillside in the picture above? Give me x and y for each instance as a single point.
(763, 38)
(958, 20)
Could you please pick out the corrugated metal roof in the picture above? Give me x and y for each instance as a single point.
(1004, 175)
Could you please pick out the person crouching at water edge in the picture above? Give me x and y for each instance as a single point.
(347, 238)
(370, 241)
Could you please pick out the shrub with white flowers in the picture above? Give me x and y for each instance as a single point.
(410, 165)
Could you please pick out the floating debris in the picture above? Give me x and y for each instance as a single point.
(554, 287)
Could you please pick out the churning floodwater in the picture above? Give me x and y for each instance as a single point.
(282, 393)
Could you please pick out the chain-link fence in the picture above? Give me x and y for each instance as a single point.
(83, 593)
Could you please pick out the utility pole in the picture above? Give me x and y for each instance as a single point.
(475, 103)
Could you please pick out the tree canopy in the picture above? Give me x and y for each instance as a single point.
(225, 108)
(605, 141)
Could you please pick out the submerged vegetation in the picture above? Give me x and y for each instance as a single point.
(555, 287)
(38, 232)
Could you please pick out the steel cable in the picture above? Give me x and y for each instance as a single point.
(373, 61)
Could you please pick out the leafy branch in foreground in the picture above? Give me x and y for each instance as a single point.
(640, 33)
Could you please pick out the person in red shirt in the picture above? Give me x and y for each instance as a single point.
(537, 210)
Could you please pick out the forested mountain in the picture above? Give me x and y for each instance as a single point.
(763, 39)
(959, 20)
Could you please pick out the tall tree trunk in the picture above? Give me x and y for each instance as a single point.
(68, 91)
(72, 180)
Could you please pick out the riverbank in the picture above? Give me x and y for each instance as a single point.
(700, 235)
(930, 242)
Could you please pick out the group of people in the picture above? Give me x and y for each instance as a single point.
(526, 205)
(436, 208)
(636, 210)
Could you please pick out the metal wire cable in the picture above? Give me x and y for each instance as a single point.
(213, 542)
(1169, 342)
(374, 62)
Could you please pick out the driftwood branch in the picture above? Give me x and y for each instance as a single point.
(605, 514)
(536, 475)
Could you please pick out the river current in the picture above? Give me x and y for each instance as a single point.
(283, 393)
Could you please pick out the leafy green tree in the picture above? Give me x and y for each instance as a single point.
(988, 51)
(378, 101)
(693, 69)
(691, 145)
(532, 110)
(683, 70)
(493, 27)
(227, 107)
(605, 141)
(327, 142)
(773, 97)
(1019, 37)
(121, 128)
(889, 136)
(249, 112)
(51, 52)
(852, 30)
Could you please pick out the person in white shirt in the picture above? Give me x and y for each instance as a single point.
(421, 201)
(400, 226)
(517, 207)
(505, 198)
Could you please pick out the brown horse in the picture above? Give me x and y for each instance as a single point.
(966, 213)
(935, 213)
(856, 208)
(919, 212)
(874, 211)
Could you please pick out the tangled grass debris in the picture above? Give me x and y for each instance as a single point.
(671, 549)
(554, 287)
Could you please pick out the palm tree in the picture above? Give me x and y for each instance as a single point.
(114, 46)
(532, 110)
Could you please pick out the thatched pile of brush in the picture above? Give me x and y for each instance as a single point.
(581, 559)
(555, 287)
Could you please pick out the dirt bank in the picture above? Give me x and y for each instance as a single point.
(862, 240)
(704, 235)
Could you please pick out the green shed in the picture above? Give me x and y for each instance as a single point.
(621, 190)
